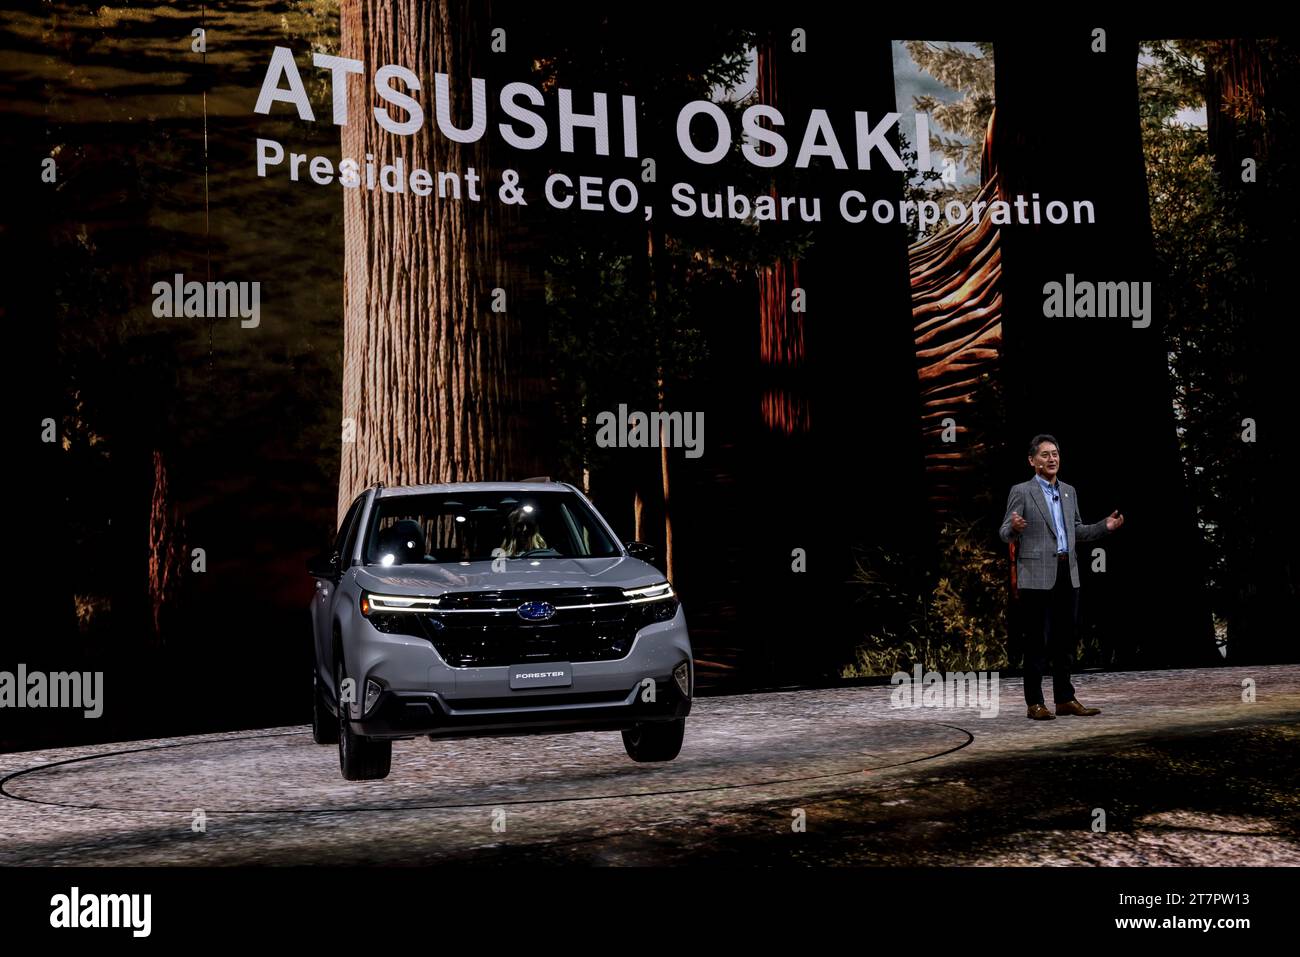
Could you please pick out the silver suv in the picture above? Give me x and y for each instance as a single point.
(492, 608)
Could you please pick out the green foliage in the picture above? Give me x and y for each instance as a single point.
(154, 179)
(917, 187)
(599, 331)
(950, 621)
(623, 322)
(316, 21)
(1202, 245)
(969, 73)
(1171, 77)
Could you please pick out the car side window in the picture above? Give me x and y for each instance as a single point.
(347, 536)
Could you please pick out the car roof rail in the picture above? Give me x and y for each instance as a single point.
(537, 478)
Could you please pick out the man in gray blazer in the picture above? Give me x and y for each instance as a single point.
(1043, 519)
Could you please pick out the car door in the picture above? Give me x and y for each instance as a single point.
(322, 606)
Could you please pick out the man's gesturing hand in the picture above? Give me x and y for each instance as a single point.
(1114, 521)
(1018, 524)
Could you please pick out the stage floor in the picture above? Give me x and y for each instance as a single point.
(1177, 768)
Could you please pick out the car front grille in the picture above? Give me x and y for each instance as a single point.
(484, 629)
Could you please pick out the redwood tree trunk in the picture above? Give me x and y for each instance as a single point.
(165, 554)
(784, 403)
(1252, 101)
(430, 373)
(1101, 386)
(838, 400)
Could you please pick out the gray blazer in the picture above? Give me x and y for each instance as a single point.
(1036, 560)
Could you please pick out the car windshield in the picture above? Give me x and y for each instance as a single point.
(481, 526)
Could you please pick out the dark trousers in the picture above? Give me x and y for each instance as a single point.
(1049, 618)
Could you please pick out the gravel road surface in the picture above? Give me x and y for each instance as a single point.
(1184, 772)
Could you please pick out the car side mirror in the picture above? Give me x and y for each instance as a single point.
(642, 551)
(324, 565)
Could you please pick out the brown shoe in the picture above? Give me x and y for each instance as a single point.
(1040, 713)
(1073, 707)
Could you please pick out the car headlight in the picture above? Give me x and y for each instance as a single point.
(397, 614)
(653, 603)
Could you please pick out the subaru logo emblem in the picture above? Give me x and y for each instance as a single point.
(536, 610)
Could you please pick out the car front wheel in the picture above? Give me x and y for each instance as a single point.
(655, 740)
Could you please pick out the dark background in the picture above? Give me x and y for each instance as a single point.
(182, 434)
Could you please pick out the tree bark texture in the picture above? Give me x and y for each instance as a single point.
(165, 556)
(957, 310)
(784, 403)
(431, 376)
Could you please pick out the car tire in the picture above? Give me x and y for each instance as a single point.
(360, 758)
(324, 724)
(655, 740)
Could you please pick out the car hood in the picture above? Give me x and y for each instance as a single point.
(518, 573)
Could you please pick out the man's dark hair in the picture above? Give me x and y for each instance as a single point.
(1039, 440)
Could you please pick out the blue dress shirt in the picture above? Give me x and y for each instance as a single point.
(1053, 495)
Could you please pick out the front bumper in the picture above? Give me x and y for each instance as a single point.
(412, 713)
(422, 695)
